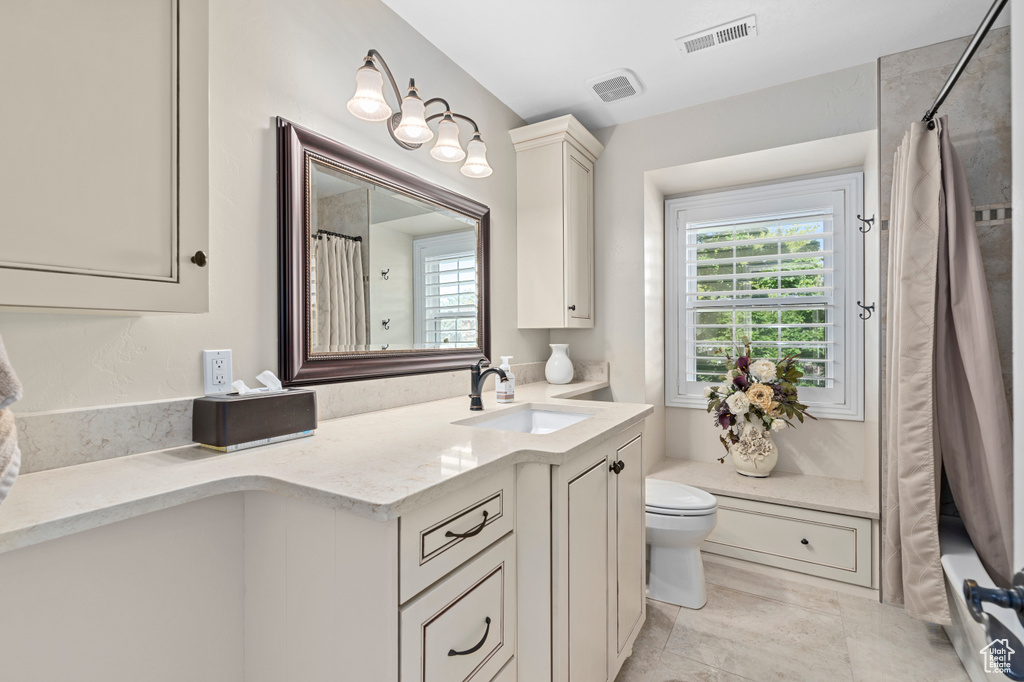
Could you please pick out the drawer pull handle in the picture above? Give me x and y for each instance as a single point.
(804, 542)
(453, 652)
(617, 467)
(469, 534)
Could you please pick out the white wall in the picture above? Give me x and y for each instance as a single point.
(629, 245)
(296, 59)
(391, 298)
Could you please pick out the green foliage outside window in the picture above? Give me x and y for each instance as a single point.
(781, 271)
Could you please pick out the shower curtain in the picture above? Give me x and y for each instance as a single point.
(944, 389)
(340, 295)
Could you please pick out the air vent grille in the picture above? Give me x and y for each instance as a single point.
(617, 85)
(613, 89)
(718, 35)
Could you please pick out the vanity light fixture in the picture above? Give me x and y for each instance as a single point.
(409, 128)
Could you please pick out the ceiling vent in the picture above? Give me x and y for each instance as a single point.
(740, 29)
(616, 85)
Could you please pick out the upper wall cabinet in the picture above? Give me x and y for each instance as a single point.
(555, 223)
(104, 173)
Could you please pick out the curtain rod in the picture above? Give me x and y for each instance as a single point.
(338, 234)
(972, 47)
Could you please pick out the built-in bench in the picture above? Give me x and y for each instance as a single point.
(809, 524)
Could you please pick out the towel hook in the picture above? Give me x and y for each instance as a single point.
(384, 273)
(866, 309)
(868, 223)
(385, 323)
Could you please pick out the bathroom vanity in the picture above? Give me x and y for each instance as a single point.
(406, 544)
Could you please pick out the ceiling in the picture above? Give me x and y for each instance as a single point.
(535, 55)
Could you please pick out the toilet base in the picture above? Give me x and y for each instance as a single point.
(677, 576)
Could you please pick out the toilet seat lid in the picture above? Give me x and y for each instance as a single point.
(668, 496)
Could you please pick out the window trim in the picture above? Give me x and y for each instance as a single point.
(847, 241)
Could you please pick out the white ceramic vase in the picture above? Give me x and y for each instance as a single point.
(756, 454)
(559, 368)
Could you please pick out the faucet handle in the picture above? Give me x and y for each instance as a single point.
(484, 362)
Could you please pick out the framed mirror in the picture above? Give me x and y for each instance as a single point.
(381, 273)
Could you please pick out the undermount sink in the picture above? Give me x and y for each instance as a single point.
(528, 420)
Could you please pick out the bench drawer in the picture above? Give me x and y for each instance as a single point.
(464, 627)
(829, 545)
(437, 538)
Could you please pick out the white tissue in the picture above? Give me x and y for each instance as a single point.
(241, 388)
(271, 384)
(269, 379)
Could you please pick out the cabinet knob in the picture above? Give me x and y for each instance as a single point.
(617, 467)
(572, 307)
(199, 259)
(804, 542)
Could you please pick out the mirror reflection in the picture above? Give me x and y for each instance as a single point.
(387, 271)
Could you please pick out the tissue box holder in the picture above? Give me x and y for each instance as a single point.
(232, 422)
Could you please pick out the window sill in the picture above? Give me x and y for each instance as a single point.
(821, 411)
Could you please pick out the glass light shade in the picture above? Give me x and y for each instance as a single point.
(476, 165)
(368, 103)
(447, 147)
(413, 129)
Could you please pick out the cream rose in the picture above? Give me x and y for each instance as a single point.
(778, 425)
(763, 370)
(738, 403)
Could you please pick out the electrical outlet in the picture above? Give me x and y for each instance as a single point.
(217, 371)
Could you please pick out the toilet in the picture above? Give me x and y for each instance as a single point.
(678, 517)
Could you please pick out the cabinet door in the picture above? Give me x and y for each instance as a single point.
(104, 177)
(627, 553)
(579, 238)
(582, 581)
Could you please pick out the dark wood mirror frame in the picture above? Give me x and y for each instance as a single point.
(296, 146)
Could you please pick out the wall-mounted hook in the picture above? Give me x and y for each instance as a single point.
(385, 346)
(384, 273)
(868, 223)
(385, 323)
(866, 309)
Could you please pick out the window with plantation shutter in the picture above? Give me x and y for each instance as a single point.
(776, 266)
(445, 279)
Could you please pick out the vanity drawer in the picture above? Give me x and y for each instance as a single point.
(829, 545)
(472, 612)
(443, 535)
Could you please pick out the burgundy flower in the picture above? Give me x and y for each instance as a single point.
(725, 418)
(743, 363)
(741, 382)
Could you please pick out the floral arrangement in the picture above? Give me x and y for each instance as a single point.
(756, 398)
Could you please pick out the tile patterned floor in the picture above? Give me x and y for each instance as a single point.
(755, 629)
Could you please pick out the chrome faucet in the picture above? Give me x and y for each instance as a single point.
(476, 381)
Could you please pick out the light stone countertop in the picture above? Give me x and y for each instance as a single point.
(837, 495)
(379, 464)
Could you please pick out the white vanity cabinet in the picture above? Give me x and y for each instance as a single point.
(428, 597)
(598, 554)
(104, 178)
(555, 223)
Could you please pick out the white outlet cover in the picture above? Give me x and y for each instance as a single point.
(217, 375)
